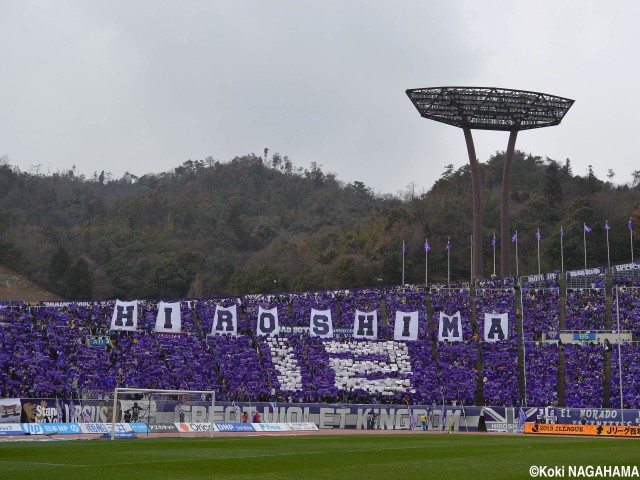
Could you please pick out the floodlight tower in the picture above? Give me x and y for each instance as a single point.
(490, 109)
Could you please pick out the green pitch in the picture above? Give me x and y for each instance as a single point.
(350, 457)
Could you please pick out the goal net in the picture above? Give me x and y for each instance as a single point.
(161, 410)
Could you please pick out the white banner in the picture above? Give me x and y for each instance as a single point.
(406, 326)
(496, 327)
(267, 322)
(365, 325)
(168, 319)
(450, 327)
(321, 324)
(225, 321)
(125, 316)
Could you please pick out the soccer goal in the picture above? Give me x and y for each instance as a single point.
(160, 410)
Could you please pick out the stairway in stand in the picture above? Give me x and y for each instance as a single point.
(431, 323)
(608, 292)
(606, 397)
(562, 370)
(521, 362)
(479, 396)
(384, 313)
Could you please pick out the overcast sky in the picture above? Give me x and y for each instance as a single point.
(143, 85)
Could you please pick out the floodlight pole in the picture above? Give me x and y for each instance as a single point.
(505, 257)
(477, 205)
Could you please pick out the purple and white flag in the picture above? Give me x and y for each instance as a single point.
(587, 228)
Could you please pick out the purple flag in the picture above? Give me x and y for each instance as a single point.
(587, 228)
(448, 244)
(514, 238)
(538, 236)
(629, 226)
(493, 240)
(606, 225)
(403, 247)
(427, 247)
(561, 231)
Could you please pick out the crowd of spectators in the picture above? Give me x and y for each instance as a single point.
(541, 373)
(586, 309)
(584, 380)
(45, 351)
(540, 311)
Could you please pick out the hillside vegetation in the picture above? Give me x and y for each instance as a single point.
(252, 225)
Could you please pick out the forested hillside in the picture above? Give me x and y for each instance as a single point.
(253, 225)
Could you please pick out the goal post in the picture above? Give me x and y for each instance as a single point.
(150, 397)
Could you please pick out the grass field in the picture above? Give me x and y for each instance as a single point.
(351, 457)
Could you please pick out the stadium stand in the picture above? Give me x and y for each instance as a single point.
(47, 350)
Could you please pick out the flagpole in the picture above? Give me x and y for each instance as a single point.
(517, 271)
(448, 261)
(561, 250)
(403, 248)
(538, 237)
(606, 227)
(584, 243)
(426, 262)
(494, 254)
(630, 225)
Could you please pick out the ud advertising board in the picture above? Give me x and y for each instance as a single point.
(590, 430)
(11, 429)
(195, 427)
(270, 427)
(51, 428)
(235, 427)
(106, 427)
